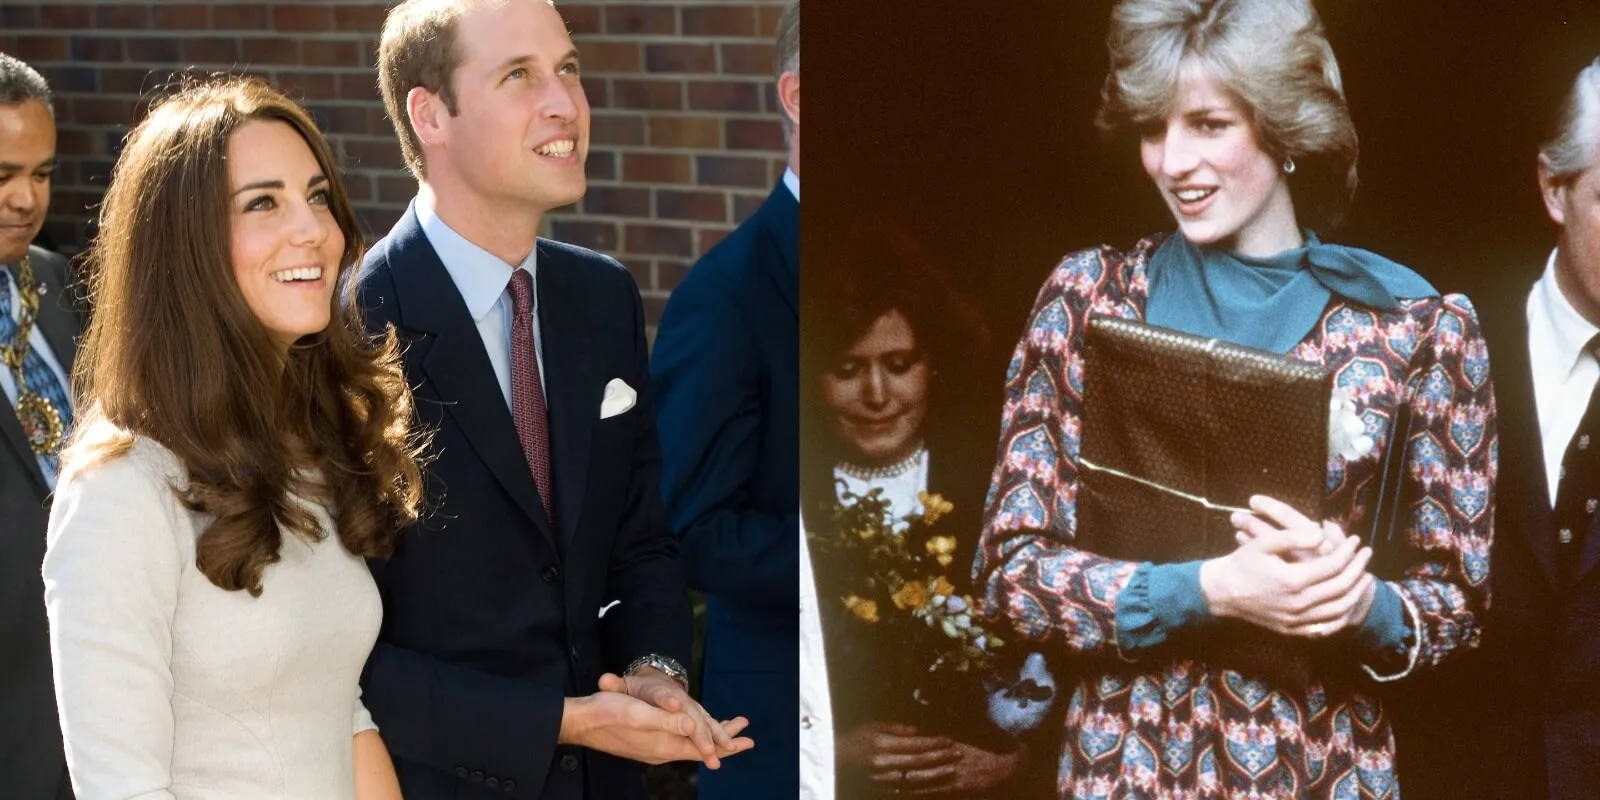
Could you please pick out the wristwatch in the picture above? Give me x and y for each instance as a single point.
(670, 667)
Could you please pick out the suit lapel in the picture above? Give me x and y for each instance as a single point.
(572, 389)
(780, 218)
(458, 371)
(1524, 494)
(59, 327)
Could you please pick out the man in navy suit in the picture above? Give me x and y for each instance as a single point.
(726, 364)
(1520, 716)
(542, 569)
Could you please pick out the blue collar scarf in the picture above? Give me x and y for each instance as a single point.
(1268, 303)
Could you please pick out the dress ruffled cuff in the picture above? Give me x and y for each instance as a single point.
(1160, 600)
(1385, 637)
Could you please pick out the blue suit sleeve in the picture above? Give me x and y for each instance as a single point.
(709, 407)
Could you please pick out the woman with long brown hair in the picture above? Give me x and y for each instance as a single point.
(243, 446)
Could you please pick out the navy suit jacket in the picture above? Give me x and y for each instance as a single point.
(490, 612)
(726, 365)
(32, 762)
(1520, 716)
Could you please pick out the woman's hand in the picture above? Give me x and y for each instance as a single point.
(1290, 574)
(895, 755)
(975, 770)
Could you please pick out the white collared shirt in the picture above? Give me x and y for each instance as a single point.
(792, 180)
(816, 720)
(37, 344)
(1564, 373)
(485, 284)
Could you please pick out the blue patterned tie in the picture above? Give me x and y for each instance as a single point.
(36, 374)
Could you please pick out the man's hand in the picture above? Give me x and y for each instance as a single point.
(713, 740)
(612, 722)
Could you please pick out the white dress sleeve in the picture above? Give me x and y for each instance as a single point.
(111, 574)
(363, 719)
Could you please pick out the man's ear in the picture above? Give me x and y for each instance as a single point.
(428, 115)
(1554, 192)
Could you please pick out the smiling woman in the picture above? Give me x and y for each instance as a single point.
(243, 445)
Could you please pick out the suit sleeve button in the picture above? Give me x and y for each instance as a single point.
(569, 763)
(508, 785)
(492, 782)
(550, 574)
(477, 776)
(461, 772)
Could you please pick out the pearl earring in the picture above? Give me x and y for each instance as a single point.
(1288, 166)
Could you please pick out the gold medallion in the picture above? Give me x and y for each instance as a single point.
(40, 422)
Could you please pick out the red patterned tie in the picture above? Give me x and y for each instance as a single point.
(527, 390)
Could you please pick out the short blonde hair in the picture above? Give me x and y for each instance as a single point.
(1272, 55)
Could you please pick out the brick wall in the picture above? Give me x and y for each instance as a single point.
(686, 139)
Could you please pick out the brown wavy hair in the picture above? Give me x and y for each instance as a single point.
(173, 353)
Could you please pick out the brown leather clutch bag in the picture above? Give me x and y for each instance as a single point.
(1178, 432)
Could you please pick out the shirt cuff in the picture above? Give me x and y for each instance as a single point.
(1160, 600)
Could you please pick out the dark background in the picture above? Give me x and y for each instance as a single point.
(971, 125)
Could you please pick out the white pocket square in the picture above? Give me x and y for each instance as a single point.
(619, 398)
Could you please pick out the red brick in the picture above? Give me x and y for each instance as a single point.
(359, 86)
(658, 240)
(691, 205)
(724, 96)
(18, 17)
(708, 238)
(96, 48)
(704, 132)
(776, 169)
(269, 50)
(616, 129)
(600, 236)
(751, 134)
(341, 120)
(670, 273)
(321, 53)
(71, 79)
(186, 17)
(680, 58)
(71, 201)
(8, 43)
(378, 122)
(133, 80)
(377, 221)
(611, 57)
(768, 24)
(653, 306)
(581, 20)
(656, 168)
(42, 48)
(601, 165)
(641, 270)
(597, 91)
(211, 50)
(302, 17)
(617, 201)
(741, 171)
(660, 20)
(719, 21)
(240, 18)
(153, 49)
(655, 95)
(396, 188)
(127, 17)
(746, 204)
(102, 111)
(53, 15)
(308, 86)
(360, 18)
(358, 187)
(74, 142)
(747, 59)
(371, 154)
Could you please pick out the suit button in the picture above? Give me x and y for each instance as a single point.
(491, 782)
(1565, 536)
(574, 650)
(550, 574)
(569, 763)
(461, 772)
(477, 776)
(508, 785)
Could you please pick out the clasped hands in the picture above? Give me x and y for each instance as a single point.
(1290, 574)
(649, 717)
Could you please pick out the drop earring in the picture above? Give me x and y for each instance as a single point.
(1288, 166)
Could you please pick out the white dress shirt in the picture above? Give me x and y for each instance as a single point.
(36, 342)
(792, 180)
(816, 711)
(1564, 373)
(485, 283)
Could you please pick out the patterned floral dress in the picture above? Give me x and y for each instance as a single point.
(1164, 728)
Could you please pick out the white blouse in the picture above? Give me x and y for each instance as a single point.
(169, 687)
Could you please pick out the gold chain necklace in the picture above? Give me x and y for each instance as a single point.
(41, 423)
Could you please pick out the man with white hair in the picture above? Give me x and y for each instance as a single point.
(1521, 717)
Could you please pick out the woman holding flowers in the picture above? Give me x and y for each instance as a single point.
(925, 703)
(1241, 124)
